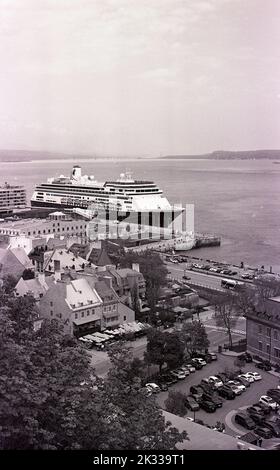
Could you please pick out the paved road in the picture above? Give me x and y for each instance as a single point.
(249, 397)
(207, 280)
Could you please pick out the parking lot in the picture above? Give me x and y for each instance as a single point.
(225, 414)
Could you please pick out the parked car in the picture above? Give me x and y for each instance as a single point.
(206, 387)
(213, 356)
(179, 375)
(187, 278)
(226, 392)
(256, 415)
(240, 386)
(197, 390)
(255, 375)
(245, 357)
(153, 387)
(208, 406)
(263, 432)
(215, 381)
(191, 403)
(247, 377)
(234, 388)
(274, 393)
(190, 368)
(244, 420)
(273, 428)
(214, 398)
(196, 364)
(243, 381)
(184, 369)
(200, 361)
(269, 402)
(263, 366)
(262, 408)
(275, 419)
(163, 386)
(223, 377)
(169, 379)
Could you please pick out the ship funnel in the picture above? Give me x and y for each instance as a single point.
(76, 172)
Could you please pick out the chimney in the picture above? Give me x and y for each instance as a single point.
(57, 276)
(135, 267)
(108, 281)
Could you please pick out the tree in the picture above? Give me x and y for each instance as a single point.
(195, 337)
(136, 422)
(153, 269)
(246, 299)
(176, 403)
(173, 350)
(266, 287)
(155, 348)
(50, 397)
(135, 301)
(226, 314)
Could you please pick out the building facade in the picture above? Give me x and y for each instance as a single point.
(12, 197)
(263, 331)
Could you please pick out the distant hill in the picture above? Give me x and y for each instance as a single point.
(28, 155)
(231, 155)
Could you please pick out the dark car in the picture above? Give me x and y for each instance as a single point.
(275, 394)
(244, 420)
(187, 278)
(274, 419)
(255, 415)
(214, 397)
(243, 381)
(223, 377)
(163, 386)
(262, 408)
(226, 392)
(273, 428)
(168, 379)
(213, 356)
(245, 357)
(196, 390)
(208, 406)
(263, 432)
(207, 388)
(191, 403)
(196, 364)
(263, 366)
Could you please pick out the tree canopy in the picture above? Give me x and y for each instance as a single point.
(195, 337)
(50, 397)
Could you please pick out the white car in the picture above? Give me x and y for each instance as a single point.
(256, 376)
(185, 370)
(213, 380)
(201, 361)
(240, 387)
(269, 402)
(191, 368)
(178, 374)
(154, 388)
(247, 377)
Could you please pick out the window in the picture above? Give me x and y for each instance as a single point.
(88, 312)
(124, 318)
(275, 334)
(83, 314)
(260, 329)
(76, 316)
(60, 315)
(267, 349)
(277, 353)
(51, 313)
(51, 304)
(260, 345)
(268, 331)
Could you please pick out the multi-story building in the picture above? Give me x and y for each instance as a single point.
(11, 197)
(263, 331)
(57, 224)
(13, 261)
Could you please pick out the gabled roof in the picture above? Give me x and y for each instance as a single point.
(80, 294)
(99, 257)
(105, 291)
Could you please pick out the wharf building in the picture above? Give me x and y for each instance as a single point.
(263, 331)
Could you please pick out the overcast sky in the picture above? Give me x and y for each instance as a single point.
(139, 77)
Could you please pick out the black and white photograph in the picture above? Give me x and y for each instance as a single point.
(139, 228)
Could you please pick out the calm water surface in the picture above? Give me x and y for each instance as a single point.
(238, 200)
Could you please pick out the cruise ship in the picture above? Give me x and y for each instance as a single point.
(122, 198)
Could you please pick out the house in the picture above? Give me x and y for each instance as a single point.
(58, 259)
(36, 287)
(263, 331)
(75, 303)
(13, 261)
